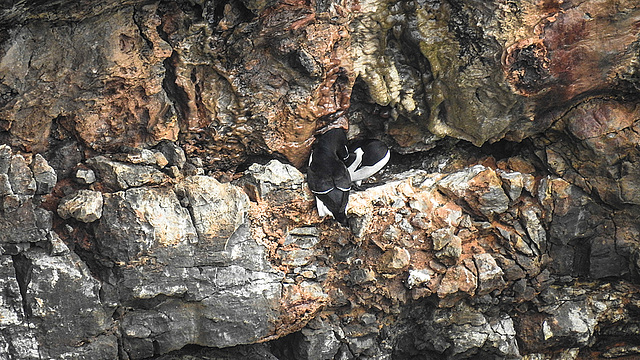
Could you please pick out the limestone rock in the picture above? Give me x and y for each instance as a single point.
(317, 341)
(161, 226)
(201, 258)
(394, 259)
(20, 225)
(536, 232)
(457, 278)
(462, 332)
(64, 158)
(115, 91)
(84, 205)
(515, 182)
(217, 209)
(62, 298)
(304, 237)
(602, 130)
(5, 158)
(489, 274)
(418, 278)
(263, 179)
(85, 176)
(44, 175)
(173, 153)
(5, 185)
(447, 245)
(122, 176)
(21, 220)
(478, 186)
(21, 176)
(533, 238)
(10, 303)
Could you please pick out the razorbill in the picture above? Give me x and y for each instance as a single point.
(328, 176)
(366, 157)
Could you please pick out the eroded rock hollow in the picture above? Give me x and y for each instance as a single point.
(154, 203)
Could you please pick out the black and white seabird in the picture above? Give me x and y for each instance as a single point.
(328, 177)
(366, 157)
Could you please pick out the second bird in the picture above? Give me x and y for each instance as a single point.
(366, 157)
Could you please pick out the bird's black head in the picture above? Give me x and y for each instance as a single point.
(334, 140)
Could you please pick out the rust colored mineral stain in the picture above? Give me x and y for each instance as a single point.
(576, 48)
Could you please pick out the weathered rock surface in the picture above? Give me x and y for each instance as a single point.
(193, 261)
(50, 302)
(127, 231)
(85, 206)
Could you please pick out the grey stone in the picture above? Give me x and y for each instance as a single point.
(502, 337)
(572, 324)
(457, 278)
(361, 276)
(216, 209)
(44, 218)
(140, 156)
(173, 153)
(83, 205)
(464, 332)
(363, 345)
(317, 343)
(513, 183)
(620, 351)
(121, 176)
(394, 259)
(448, 246)
(359, 224)
(218, 286)
(5, 158)
(391, 234)
(605, 259)
(489, 199)
(44, 175)
(468, 337)
(21, 225)
(418, 278)
(489, 274)
(58, 247)
(536, 232)
(11, 203)
(458, 182)
(272, 176)
(21, 177)
(5, 186)
(304, 238)
(219, 315)
(305, 231)
(145, 221)
(575, 215)
(20, 342)
(62, 299)
(64, 158)
(85, 176)
(11, 310)
(297, 257)
(493, 201)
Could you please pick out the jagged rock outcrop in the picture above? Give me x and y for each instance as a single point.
(154, 203)
(235, 79)
(51, 306)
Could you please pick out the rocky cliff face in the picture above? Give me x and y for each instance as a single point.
(154, 203)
